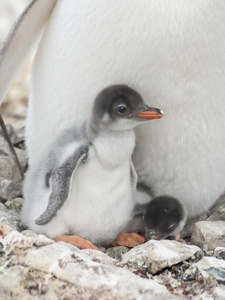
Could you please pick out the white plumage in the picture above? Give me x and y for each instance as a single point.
(171, 51)
(101, 201)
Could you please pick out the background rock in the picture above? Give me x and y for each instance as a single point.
(208, 235)
(208, 267)
(14, 204)
(219, 213)
(9, 189)
(8, 169)
(154, 256)
(117, 252)
(10, 177)
(9, 219)
(220, 253)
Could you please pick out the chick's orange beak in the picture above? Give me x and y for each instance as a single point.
(151, 113)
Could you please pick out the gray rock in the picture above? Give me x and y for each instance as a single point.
(219, 213)
(8, 220)
(10, 178)
(215, 213)
(87, 274)
(9, 129)
(27, 232)
(207, 267)
(93, 277)
(208, 235)
(154, 256)
(14, 204)
(15, 240)
(18, 282)
(220, 252)
(100, 258)
(8, 168)
(9, 189)
(18, 136)
(22, 156)
(117, 252)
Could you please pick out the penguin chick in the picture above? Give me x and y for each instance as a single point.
(84, 185)
(164, 217)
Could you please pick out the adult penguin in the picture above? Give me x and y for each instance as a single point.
(172, 52)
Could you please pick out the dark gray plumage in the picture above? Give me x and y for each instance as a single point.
(164, 216)
(60, 183)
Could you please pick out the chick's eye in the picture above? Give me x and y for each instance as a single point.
(121, 109)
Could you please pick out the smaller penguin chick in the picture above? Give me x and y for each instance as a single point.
(164, 217)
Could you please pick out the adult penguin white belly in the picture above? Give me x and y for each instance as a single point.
(173, 53)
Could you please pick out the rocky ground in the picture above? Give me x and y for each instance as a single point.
(35, 267)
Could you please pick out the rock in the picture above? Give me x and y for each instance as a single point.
(22, 156)
(215, 213)
(14, 204)
(9, 129)
(9, 220)
(91, 276)
(18, 136)
(154, 256)
(100, 258)
(219, 213)
(207, 267)
(10, 178)
(208, 235)
(3, 208)
(27, 232)
(18, 282)
(219, 293)
(117, 252)
(9, 189)
(220, 252)
(39, 268)
(15, 240)
(8, 168)
(79, 274)
(5, 229)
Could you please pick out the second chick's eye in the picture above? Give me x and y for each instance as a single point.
(121, 109)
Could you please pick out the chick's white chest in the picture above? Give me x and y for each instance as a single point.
(101, 201)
